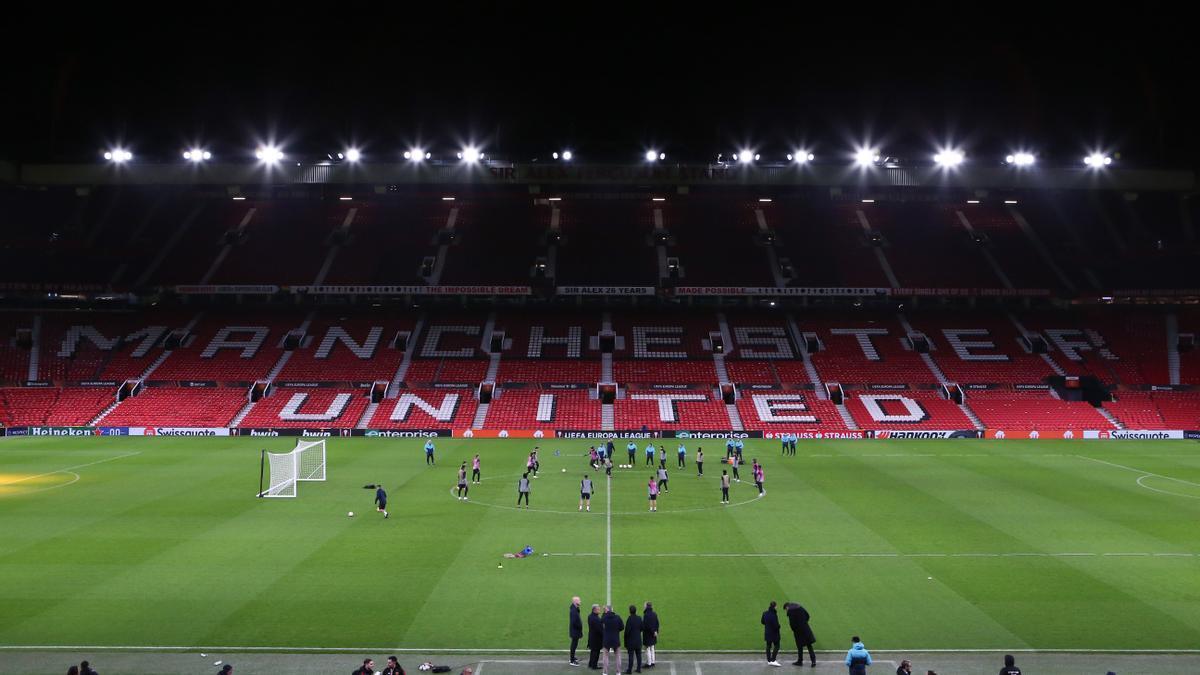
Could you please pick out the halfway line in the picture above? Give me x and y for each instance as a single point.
(77, 466)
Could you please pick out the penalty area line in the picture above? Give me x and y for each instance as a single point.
(70, 468)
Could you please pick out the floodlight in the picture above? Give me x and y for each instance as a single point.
(801, 156)
(746, 156)
(269, 154)
(196, 155)
(1020, 159)
(118, 155)
(651, 155)
(470, 154)
(567, 155)
(866, 156)
(948, 158)
(353, 154)
(1097, 160)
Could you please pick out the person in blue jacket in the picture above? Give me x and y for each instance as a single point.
(858, 658)
(429, 452)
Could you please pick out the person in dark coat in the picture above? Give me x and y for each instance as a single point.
(770, 622)
(595, 638)
(612, 639)
(574, 628)
(633, 640)
(798, 619)
(649, 632)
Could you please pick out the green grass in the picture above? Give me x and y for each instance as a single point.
(168, 547)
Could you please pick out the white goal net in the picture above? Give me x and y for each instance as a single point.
(285, 470)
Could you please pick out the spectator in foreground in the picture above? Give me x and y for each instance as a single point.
(770, 622)
(85, 668)
(595, 638)
(649, 632)
(368, 668)
(393, 667)
(633, 640)
(1010, 666)
(226, 669)
(905, 668)
(574, 628)
(858, 658)
(73, 670)
(612, 639)
(798, 619)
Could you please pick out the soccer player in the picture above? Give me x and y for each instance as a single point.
(681, 454)
(602, 451)
(662, 456)
(759, 477)
(608, 466)
(700, 462)
(429, 453)
(734, 462)
(585, 493)
(531, 464)
(631, 450)
(475, 478)
(724, 487)
(662, 479)
(462, 482)
(594, 457)
(649, 454)
(653, 487)
(537, 463)
(381, 501)
(523, 490)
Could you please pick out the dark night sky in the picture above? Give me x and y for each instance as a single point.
(607, 80)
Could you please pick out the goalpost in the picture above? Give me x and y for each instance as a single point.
(283, 471)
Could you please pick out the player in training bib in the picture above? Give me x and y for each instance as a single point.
(700, 462)
(653, 488)
(585, 493)
(523, 490)
(475, 478)
(662, 480)
(462, 482)
(724, 487)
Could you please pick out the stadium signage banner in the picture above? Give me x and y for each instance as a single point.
(226, 289)
(895, 434)
(411, 290)
(887, 387)
(62, 431)
(604, 290)
(402, 433)
(764, 290)
(98, 383)
(16, 431)
(38, 383)
(701, 435)
(591, 433)
(1136, 434)
(185, 431)
(1190, 435)
(818, 435)
(503, 433)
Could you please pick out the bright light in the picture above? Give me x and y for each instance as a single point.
(866, 156)
(239, 199)
(197, 155)
(470, 154)
(1021, 159)
(554, 155)
(746, 156)
(800, 157)
(416, 155)
(658, 199)
(972, 201)
(868, 201)
(269, 154)
(555, 199)
(447, 199)
(353, 155)
(764, 200)
(345, 199)
(1010, 201)
(567, 155)
(949, 158)
(117, 155)
(651, 155)
(1097, 160)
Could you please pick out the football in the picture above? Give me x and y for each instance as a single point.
(350, 514)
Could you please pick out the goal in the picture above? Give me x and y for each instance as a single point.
(283, 471)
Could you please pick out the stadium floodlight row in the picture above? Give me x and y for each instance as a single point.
(863, 156)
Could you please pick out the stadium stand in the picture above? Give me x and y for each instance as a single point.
(312, 408)
(178, 407)
(1003, 409)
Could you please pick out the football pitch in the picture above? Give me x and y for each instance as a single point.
(922, 545)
